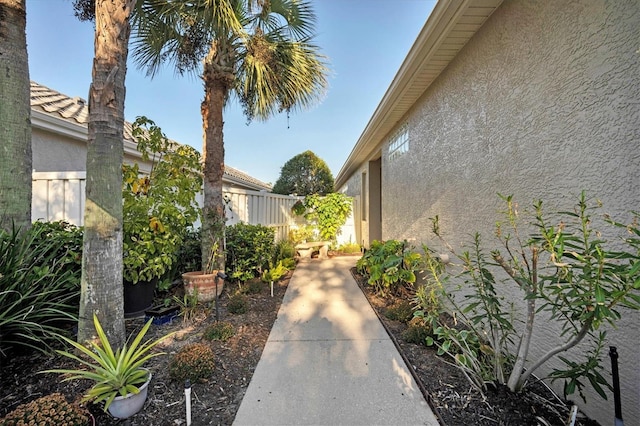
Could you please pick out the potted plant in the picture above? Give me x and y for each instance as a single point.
(120, 379)
(206, 284)
(158, 208)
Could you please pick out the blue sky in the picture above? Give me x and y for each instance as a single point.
(365, 42)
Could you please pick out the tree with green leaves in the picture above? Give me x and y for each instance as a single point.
(304, 174)
(15, 117)
(265, 57)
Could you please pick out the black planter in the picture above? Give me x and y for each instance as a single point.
(138, 297)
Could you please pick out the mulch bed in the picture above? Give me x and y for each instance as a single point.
(216, 401)
(452, 397)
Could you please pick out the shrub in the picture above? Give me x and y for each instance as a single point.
(49, 410)
(67, 250)
(284, 249)
(401, 311)
(238, 304)
(350, 248)
(194, 362)
(189, 253)
(568, 271)
(389, 265)
(38, 289)
(417, 332)
(249, 250)
(219, 330)
(303, 234)
(328, 212)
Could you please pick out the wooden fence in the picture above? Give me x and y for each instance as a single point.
(61, 195)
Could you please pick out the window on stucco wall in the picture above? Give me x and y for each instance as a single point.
(363, 192)
(399, 142)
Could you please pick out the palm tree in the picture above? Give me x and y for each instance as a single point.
(101, 282)
(15, 117)
(267, 61)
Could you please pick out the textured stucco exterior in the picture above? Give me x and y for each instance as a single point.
(542, 103)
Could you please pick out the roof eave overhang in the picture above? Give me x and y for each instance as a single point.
(450, 26)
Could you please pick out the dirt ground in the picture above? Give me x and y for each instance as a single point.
(216, 401)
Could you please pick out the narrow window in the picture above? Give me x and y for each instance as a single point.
(399, 143)
(364, 196)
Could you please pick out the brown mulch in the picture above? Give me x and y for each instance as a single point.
(453, 399)
(216, 401)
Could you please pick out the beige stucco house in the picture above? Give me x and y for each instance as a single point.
(59, 145)
(539, 99)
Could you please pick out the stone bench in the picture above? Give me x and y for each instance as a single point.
(305, 250)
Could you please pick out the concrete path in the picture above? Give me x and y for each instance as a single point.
(329, 361)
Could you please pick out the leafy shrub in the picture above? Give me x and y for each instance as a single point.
(219, 330)
(417, 332)
(401, 311)
(284, 249)
(289, 263)
(189, 253)
(328, 213)
(389, 265)
(38, 289)
(194, 362)
(566, 271)
(67, 250)
(249, 250)
(49, 410)
(238, 304)
(350, 248)
(303, 234)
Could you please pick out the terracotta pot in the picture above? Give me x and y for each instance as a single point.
(204, 285)
(123, 407)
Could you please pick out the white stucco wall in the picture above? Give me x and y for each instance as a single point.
(542, 103)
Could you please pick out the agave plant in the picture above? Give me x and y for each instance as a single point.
(115, 373)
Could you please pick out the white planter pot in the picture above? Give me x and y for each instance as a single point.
(124, 407)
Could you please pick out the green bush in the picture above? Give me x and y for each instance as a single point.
(328, 213)
(303, 234)
(194, 362)
(189, 253)
(564, 267)
(67, 250)
(389, 265)
(219, 330)
(238, 304)
(39, 288)
(417, 332)
(284, 249)
(350, 248)
(249, 250)
(49, 410)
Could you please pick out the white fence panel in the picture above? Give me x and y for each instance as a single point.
(61, 195)
(58, 196)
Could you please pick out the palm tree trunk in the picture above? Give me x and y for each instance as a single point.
(216, 90)
(15, 116)
(102, 287)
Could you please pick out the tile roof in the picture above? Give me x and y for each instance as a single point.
(77, 110)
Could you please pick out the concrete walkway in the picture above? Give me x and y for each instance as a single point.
(329, 361)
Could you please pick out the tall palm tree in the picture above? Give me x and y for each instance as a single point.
(15, 117)
(267, 61)
(101, 282)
